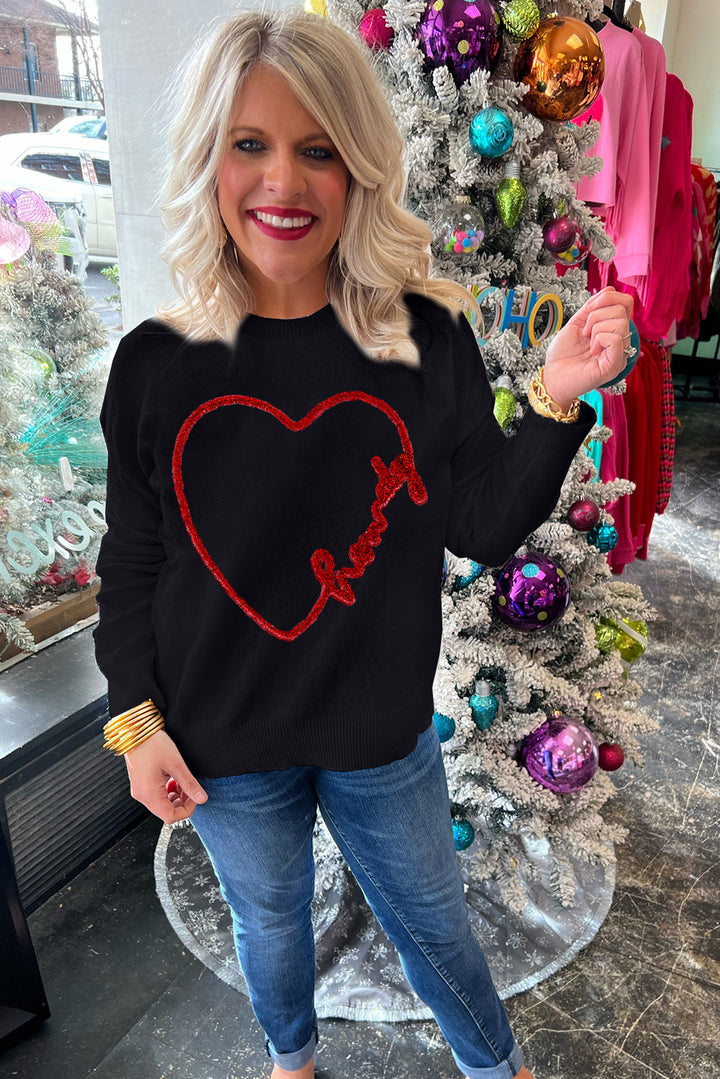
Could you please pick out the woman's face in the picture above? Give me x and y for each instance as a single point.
(290, 167)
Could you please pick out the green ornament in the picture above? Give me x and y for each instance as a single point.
(520, 18)
(504, 407)
(628, 644)
(44, 361)
(510, 195)
(606, 634)
(628, 637)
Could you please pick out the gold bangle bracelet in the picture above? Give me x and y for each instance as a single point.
(125, 719)
(541, 402)
(125, 746)
(129, 741)
(135, 729)
(128, 729)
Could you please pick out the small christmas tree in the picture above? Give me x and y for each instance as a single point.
(52, 488)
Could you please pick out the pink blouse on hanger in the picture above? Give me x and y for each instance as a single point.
(621, 192)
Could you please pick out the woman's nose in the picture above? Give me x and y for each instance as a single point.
(283, 172)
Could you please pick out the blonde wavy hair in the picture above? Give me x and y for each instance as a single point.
(383, 250)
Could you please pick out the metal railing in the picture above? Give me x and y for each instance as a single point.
(46, 84)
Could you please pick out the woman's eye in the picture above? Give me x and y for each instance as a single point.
(242, 145)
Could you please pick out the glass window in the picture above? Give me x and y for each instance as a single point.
(102, 170)
(64, 166)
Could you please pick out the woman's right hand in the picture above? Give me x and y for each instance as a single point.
(160, 779)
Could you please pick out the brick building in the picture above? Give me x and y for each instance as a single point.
(34, 94)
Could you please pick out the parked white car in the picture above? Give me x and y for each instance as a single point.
(63, 199)
(85, 163)
(92, 127)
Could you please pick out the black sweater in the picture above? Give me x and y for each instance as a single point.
(277, 516)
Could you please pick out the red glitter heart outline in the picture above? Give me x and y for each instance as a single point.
(333, 582)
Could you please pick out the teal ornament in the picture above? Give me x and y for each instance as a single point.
(443, 575)
(483, 705)
(633, 354)
(491, 132)
(604, 537)
(463, 833)
(444, 725)
(463, 580)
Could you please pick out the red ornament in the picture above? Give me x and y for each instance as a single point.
(583, 515)
(611, 756)
(374, 29)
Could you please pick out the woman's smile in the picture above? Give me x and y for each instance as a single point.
(282, 232)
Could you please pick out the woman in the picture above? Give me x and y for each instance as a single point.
(291, 445)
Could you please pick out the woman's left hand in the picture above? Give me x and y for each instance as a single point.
(590, 349)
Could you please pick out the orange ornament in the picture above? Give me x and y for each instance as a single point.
(563, 63)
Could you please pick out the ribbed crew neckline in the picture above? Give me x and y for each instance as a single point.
(289, 329)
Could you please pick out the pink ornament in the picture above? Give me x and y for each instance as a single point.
(461, 35)
(559, 234)
(610, 756)
(561, 754)
(374, 29)
(583, 515)
(14, 241)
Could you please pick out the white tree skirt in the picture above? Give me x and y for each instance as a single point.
(358, 974)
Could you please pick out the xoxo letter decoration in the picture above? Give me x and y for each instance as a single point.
(333, 581)
(530, 306)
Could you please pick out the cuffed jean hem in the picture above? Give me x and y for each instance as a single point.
(293, 1062)
(506, 1069)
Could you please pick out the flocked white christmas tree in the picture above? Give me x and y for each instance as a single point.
(579, 665)
(52, 487)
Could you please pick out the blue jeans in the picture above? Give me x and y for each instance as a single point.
(393, 826)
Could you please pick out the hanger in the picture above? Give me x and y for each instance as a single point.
(614, 14)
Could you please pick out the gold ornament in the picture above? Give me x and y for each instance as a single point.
(318, 7)
(564, 66)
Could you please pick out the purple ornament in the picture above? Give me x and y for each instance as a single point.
(561, 754)
(559, 234)
(462, 35)
(531, 592)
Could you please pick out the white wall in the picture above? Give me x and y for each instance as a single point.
(690, 33)
(696, 60)
(141, 43)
